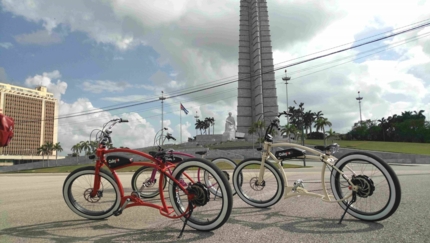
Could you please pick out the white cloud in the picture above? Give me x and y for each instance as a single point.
(47, 80)
(128, 98)
(136, 133)
(3, 76)
(99, 86)
(41, 37)
(200, 42)
(6, 45)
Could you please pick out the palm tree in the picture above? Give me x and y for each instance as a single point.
(49, 147)
(289, 129)
(257, 128)
(57, 148)
(85, 146)
(199, 125)
(207, 125)
(41, 151)
(76, 150)
(213, 125)
(320, 124)
(383, 124)
(331, 134)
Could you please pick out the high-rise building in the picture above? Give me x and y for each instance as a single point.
(257, 99)
(34, 112)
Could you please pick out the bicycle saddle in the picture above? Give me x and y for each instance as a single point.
(157, 154)
(201, 152)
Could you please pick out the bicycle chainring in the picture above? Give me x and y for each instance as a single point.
(365, 185)
(200, 192)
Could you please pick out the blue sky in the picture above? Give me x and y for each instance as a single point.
(97, 54)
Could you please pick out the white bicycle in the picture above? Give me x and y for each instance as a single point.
(363, 184)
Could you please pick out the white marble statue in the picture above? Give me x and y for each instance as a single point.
(230, 128)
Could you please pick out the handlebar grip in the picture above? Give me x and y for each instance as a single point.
(123, 120)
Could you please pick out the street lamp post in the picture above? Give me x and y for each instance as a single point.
(359, 105)
(286, 79)
(162, 98)
(196, 116)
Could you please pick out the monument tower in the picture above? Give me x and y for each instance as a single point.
(256, 87)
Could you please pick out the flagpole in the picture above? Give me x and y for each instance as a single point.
(180, 121)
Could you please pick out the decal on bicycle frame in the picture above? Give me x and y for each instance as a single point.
(289, 153)
(116, 160)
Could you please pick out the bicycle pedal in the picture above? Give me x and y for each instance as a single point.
(298, 183)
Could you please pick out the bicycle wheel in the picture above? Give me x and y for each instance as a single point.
(261, 196)
(379, 193)
(145, 182)
(209, 211)
(227, 167)
(78, 186)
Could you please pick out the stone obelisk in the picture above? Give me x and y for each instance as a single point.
(257, 98)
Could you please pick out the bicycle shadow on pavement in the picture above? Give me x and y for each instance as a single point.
(99, 231)
(259, 219)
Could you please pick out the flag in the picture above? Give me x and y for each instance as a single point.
(185, 110)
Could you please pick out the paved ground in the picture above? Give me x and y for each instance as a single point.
(32, 209)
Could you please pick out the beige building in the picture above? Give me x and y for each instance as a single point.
(34, 112)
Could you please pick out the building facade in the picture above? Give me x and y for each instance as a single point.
(257, 99)
(34, 112)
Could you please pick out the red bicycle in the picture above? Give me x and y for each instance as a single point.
(93, 192)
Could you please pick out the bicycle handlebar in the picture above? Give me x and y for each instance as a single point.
(169, 136)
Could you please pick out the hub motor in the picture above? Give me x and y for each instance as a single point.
(365, 185)
(200, 192)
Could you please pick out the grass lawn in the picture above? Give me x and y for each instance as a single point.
(395, 147)
(68, 169)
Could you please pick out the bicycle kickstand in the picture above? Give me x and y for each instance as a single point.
(354, 197)
(186, 218)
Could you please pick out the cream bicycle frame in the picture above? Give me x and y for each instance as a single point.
(291, 191)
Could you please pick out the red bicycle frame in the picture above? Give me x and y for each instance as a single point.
(135, 200)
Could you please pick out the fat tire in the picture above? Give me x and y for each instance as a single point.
(387, 171)
(238, 178)
(232, 163)
(135, 187)
(79, 210)
(227, 198)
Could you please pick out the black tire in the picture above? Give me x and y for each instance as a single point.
(246, 174)
(79, 184)
(227, 167)
(142, 183)
(372, 205)
(216, 211)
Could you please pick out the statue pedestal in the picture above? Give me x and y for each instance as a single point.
(229, 136)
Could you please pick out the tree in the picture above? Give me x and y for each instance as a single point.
(76, 150)
(57, 148)
(290, 129)
(331, 134)
(321, 123)
(200, 125)
(41, 151)
(49, 147)
(383, 124)
(257, 128)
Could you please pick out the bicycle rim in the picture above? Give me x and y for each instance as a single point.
(265, 194)
(227, 167)
(77, 189)
(210, 211)
(145, 182)
(379, 189)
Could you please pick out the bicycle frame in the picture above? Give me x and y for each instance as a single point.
(133, 199)
(291, 191)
